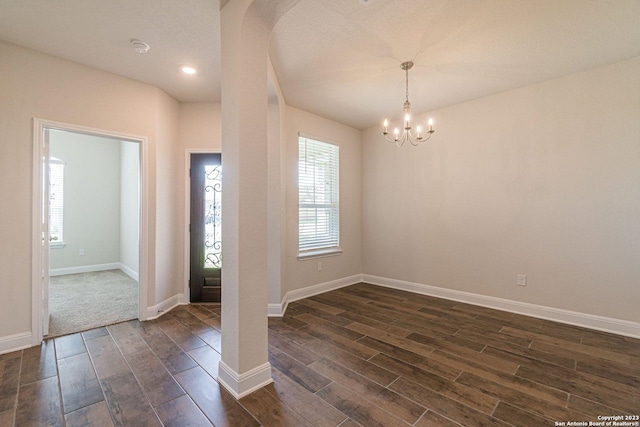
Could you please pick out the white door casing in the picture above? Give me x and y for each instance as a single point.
(40, 221)
(46, 200)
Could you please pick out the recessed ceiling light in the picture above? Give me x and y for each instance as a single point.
(188, 70)
(140, 47)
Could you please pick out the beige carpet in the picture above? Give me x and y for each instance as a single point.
(78, 302)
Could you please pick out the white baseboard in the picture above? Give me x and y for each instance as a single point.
(96, 267)
(600, 323)
(128, 271)
(166, 305)
(240, 385)
(278, 310)
(15, 342)
(25, 340)
(84, 269)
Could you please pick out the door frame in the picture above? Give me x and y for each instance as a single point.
(38, 227)
(187, 215)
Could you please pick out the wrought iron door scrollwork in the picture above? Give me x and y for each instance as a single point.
(212, 216)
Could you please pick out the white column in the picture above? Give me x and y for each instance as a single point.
(246, 28)
(244, 366)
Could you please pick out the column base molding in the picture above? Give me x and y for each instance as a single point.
(240, 385)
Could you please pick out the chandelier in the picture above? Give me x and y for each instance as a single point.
(400, 138)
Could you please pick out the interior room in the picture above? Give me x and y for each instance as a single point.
(485, 276)
(94, 206)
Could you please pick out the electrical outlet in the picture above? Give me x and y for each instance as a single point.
(81, 252)
(319, 266)
(522, 280)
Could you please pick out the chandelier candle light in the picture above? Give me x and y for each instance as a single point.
(400, 139)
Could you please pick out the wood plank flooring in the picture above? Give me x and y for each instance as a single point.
(359, 356)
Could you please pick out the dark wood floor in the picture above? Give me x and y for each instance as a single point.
(361, 355)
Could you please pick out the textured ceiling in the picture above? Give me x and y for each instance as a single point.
(97, 33)
(340, 58)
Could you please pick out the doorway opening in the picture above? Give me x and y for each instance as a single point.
(205, 227)
(88, 263)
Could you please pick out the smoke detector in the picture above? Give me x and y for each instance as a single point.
(140, 47)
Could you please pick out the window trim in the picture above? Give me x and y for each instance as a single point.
(319, 253)
(57, 244)
(327, 251)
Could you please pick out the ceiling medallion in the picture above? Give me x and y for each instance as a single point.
(400, 138)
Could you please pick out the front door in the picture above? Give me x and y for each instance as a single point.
(206, 241)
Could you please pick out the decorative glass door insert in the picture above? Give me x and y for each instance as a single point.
(205, 271)
(212, 216)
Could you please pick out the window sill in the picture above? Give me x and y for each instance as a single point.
(320, 253)
(58, 245)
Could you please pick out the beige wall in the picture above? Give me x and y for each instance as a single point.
(199, 132)
(542, 180)
(300, 274)
(38, 85)
(200, 126)
(169, 186)
(200, 129)
(91, 199)
(130, 207)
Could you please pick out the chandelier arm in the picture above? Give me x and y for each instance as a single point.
(406, 135)
(399, 141)
(389, 140)
(415, 142)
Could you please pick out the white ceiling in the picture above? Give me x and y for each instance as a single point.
(341, 58)
(97, 33)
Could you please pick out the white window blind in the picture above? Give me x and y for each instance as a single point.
(318, 190)
(56, 201)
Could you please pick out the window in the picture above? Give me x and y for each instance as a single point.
(56, 201)
(318, 191)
